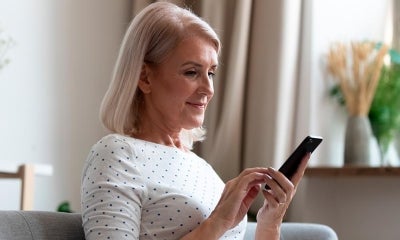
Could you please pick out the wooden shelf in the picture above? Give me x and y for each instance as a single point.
(352, 171)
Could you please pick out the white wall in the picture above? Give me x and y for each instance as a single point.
(356, 207)
(50, 92)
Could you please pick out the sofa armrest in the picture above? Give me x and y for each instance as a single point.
(35, 225)
(297, 231)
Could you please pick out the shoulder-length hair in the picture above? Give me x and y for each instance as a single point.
(152, 34)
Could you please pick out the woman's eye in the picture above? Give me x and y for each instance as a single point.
(191, 73)
(211, 75)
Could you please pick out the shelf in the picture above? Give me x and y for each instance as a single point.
(352, 171)
(40, 169)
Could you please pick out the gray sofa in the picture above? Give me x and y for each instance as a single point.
(28, 225)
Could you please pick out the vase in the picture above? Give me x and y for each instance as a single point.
(358, 141)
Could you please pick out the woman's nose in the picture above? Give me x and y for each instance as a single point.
(207, 86)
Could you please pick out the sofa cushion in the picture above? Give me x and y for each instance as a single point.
(35, 225)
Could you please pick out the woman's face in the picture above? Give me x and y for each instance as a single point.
(178, 90)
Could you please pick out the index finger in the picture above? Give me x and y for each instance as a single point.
(300, 170)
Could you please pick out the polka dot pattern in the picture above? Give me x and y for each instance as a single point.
(135, 189)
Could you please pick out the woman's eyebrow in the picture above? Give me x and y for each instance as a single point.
(192, 63)
(197, 64)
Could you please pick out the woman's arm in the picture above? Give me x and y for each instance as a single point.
(208, 229)
(111, 201)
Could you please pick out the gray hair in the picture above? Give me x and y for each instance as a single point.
(152, 34)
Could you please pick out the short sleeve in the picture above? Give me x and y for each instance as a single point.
(112, 192)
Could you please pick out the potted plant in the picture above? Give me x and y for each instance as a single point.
(384, 112)
(356, 67)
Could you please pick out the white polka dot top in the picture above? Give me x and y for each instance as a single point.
(134, 189)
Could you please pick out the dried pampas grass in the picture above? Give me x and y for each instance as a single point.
(357, 68)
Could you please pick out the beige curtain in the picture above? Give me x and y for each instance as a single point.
(250, 122)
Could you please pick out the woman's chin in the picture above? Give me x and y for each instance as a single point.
(195, 124)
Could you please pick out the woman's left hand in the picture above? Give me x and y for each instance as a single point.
(278, 198)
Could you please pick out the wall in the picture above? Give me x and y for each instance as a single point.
(50, 92)
(356, 207)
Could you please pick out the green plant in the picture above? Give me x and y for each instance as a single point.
(385, 108)
(64, 207)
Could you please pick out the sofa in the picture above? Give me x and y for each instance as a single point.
(41, 225)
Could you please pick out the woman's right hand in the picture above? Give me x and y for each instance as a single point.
(237, 197)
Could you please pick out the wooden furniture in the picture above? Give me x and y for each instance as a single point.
(352, 171)
(26, 174)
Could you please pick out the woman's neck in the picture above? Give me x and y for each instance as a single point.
(167, 139)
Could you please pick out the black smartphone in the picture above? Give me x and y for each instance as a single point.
(308, 145)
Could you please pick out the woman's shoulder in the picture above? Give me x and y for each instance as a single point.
(113, 148)
(113, 138)
(113, 143)
(116, 140)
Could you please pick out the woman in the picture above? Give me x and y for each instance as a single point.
(142, 181)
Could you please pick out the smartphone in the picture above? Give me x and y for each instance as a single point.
(308, 145)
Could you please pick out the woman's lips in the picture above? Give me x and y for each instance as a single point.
(197, 105)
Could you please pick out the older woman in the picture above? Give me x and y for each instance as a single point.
(142, 181)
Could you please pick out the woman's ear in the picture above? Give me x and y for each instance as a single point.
(144, 83)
